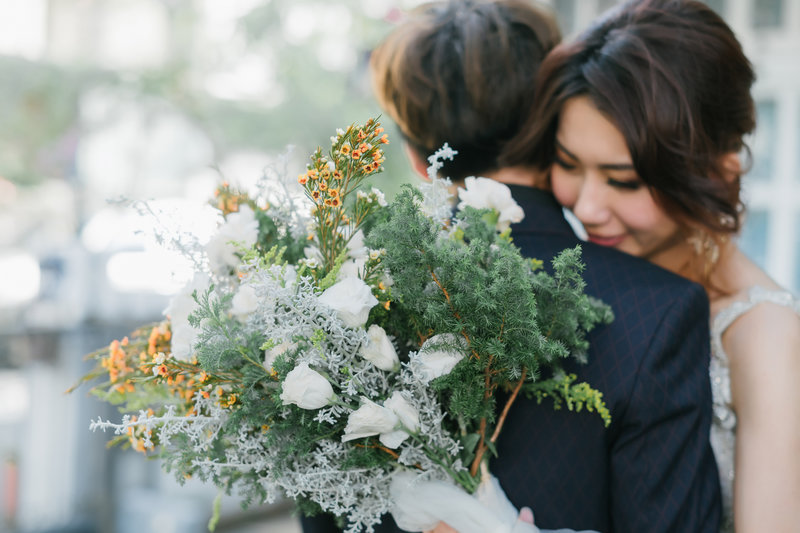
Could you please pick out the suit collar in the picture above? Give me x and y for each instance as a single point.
(542, 212)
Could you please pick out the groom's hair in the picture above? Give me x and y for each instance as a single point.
(462, 72)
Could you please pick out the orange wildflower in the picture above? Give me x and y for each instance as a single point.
(384, 139)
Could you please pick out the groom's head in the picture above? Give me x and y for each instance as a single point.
(462, 72)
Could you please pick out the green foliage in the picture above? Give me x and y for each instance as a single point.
(563, 290)
(272, 235)
(217, 346)
(475, 284)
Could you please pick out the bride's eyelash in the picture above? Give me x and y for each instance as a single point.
(628, 185)
(560, 162)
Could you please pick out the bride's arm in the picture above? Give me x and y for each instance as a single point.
(764, 351)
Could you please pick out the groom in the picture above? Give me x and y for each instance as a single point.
(462, 72)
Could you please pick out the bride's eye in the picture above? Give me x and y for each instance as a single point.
(633, 184)
(558, 160)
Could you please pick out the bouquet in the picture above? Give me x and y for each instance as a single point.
(337, 350)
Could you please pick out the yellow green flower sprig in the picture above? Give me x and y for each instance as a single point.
(563, 390)
(330, 179)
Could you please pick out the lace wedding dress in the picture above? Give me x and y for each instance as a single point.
(723, 428)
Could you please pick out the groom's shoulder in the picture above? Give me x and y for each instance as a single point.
(607, 266)
(638, 287)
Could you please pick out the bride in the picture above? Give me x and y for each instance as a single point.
(641, 121)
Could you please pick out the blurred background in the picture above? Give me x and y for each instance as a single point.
(162, 99)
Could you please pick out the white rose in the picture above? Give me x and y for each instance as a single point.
(355, 246)
(379, 349)
(239, 227)
(483, 193)
(437, 356)
(180, 307)
(306, 388)
(182, 341)
(407, 413)
(275, 351)
(351, 268)
(358, 254)
(244, 301)
(352, 299)
(372, 419)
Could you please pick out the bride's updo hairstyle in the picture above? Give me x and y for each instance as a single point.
(462, 72)
(672, 77)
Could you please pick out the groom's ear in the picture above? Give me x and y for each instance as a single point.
(418, 163)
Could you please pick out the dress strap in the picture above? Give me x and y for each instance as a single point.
(755, 296)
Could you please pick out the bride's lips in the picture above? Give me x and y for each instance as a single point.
(613, 240)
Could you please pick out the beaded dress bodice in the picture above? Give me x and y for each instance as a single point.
(723, 428)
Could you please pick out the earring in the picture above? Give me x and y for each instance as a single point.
(706, 248)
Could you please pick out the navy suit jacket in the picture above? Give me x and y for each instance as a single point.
(653, 468)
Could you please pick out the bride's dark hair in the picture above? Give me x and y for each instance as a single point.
(671, 75)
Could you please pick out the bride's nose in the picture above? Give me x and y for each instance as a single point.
(591, 205)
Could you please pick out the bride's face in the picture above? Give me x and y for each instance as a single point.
(593, 175)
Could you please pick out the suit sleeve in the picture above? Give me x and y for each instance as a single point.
(663, 473)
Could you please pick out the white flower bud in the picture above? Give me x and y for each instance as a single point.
(239, 227)
(379, 350)
(407, 413)
(439, 355)
(306, 388)
(370, 419)
(272, 353)
(244, 301)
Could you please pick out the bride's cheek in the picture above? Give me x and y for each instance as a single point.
(564, 189)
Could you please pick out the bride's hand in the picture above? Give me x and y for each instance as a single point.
(442, 528)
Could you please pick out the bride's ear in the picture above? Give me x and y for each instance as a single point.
(730, 164)
(418, 163)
